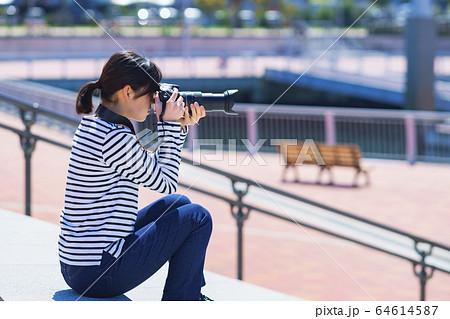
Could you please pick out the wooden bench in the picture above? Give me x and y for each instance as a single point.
(344, 155)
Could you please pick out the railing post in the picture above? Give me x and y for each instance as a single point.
(64, 74)
(252, 129)
(28, 144)
(240, 216)
(330, 128)
(30, 72)
(422, 274)
(193, 130)
(411, 139)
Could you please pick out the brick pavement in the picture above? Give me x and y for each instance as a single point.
(280, 255)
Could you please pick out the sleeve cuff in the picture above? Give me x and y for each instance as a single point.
(184, 131)
(171, 131)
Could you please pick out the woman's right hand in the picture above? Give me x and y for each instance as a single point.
(174, 108)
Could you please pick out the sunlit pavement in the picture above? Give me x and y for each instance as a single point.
(31, 270)
(211, 67)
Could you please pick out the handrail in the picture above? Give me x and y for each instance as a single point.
(34, 136)
(266, 212)
(34, 108)
(249, 182)
(278, 109)
(310, 110)
(29, 112)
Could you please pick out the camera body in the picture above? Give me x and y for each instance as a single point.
(223, 102)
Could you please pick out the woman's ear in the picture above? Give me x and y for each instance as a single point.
(127, 93)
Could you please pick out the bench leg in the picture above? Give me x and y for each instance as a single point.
(355, 179)
(319, 176)
(366, 174)
(283, 174)
(330, 174)
(296, 176)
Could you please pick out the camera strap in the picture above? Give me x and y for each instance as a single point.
(163, 97)
(163, 110)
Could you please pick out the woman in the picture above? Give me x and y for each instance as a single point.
(106, 246)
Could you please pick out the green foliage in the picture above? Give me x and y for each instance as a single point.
(261, 7)
(235, 6)
(290, 11)
(349, 16)
(325, 13)
(209, 6)
(382, 3)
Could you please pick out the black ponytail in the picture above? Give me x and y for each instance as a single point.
(84, 98)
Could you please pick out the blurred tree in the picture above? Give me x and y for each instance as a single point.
(261, 6)
(382, 3)
(63, 15)
(442, 4)
(348, 12)
(325, 13)
(209, 6)
(235, 5)
(290, 12)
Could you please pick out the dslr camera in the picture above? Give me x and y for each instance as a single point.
(223, 102)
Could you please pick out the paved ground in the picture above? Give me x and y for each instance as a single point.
(211, 67)
(32, 272)
(281, 255)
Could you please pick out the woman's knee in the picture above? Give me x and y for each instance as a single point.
(177, 200)
(204, 215)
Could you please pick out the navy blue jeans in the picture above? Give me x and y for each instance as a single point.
(171, 229)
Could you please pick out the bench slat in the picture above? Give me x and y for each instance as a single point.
(345, 155)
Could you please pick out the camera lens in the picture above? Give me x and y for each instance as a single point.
(212, 101)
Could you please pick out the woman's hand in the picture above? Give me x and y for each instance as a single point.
(197, 112)
(174, 108)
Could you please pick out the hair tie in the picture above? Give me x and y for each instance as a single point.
(97, 85)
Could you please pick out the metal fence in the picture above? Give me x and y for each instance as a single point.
(388, 134)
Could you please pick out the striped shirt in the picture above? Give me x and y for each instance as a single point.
(106, 167)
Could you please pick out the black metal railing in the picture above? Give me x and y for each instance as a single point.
(240, 210)
(424, 272)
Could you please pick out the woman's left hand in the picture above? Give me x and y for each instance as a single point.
(198, 111)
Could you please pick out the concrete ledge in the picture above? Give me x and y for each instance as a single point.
(29, 269)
